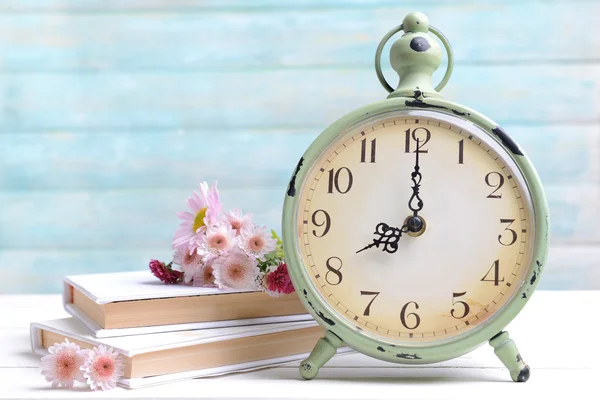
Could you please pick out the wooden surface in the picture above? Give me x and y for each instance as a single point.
(555, 334)
(113, 111)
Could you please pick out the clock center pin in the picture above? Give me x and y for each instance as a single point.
(416, 225)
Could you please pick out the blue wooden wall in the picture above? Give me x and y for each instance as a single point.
(111, 111)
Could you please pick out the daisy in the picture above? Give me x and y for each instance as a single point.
(237, 220)
(236, 270)
(257, 242)
(217, 241)
(102, 368)
(190, 263)
(205, 208)
(61, 366)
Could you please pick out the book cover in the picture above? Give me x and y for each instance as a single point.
(220, 351)
(103, 292)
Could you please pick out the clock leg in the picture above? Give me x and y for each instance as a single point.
(325, 348)
(507, 352)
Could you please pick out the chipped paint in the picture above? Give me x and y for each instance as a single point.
(380, 349)
(524, 374)
(419, 44)
(324, 318)
(507, 140)
(407, 356)
(422, 104)
(292, 188)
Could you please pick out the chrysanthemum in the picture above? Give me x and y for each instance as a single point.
(190, 263)
(238, 221)
(102, 368)
(165, 272)
(256, 241)
(205, 277)
(61, 366)
(279, 280)
(205, 208)
(236, 270)
(217, 241)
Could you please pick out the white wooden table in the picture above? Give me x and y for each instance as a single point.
(557, 334)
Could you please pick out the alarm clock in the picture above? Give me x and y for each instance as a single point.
(415, 229)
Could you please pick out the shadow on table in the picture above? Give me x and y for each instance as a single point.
(394, 375)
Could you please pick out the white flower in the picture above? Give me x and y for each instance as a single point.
(237, 221)
(236, 270)
(217, 241)
(102, 368)
(61, 366)
(256, 241)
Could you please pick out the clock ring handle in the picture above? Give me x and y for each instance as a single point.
(423, 30)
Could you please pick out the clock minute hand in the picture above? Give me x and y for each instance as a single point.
(388, 237)
(416, 177)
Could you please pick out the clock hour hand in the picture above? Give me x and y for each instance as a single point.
(388, 237)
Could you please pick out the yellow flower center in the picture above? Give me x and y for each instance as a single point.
(199, 219)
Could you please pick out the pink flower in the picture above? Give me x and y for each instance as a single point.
(102, 368)
(205, 276)
(257, 242)
(236, 270)
(206, 208)
(238, 221)
(279, 280)
(165, 273)
(190, 263)
(217, 241)
(61, 366)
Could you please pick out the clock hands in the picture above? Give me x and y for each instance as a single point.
(416, 177)
(389, 236)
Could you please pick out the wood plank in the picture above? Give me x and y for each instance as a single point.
(279, 98)
(95, 6)
(82, 160)
(41, 271)
(355, 376)
(147, 218)
(277, 37)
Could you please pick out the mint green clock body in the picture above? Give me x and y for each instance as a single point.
(415, 229)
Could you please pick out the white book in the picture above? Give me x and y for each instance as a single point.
(133, 303)
(206, 352)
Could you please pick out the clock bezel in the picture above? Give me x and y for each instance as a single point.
(422, 352)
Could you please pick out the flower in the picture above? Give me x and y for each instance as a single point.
(102, 368)
(236, 270)
(217, 241)
(61, 366)
(237, 220)
(190, 263)
(279, 281)
(205, 276)
(206, 208)
(165, 273)
(257, 242)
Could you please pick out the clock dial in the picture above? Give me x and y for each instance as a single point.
(468, 260)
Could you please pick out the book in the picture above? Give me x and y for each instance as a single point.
(171, 356)
(132, 303)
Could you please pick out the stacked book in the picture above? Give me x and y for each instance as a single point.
(172, 332)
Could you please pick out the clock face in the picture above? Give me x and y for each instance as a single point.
(442, 280)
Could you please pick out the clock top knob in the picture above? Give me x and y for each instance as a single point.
(415, 56)
(416, 22)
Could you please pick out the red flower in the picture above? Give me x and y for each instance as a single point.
(279, 280)
(165, 273)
